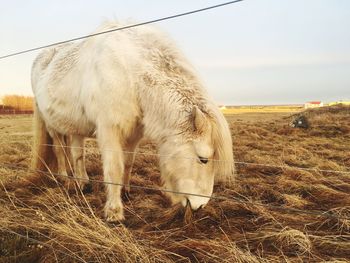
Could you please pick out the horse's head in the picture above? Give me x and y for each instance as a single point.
(187, 164)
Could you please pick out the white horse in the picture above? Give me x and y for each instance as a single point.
(121, 87)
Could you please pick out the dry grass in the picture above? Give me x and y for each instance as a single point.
(70, 227)
(262, 109)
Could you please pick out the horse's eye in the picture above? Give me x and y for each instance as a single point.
(203, 160)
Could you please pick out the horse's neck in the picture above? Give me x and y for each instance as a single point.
(166, 108)
(168, 91)
(162, 118)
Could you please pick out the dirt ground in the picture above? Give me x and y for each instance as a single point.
(290, 201)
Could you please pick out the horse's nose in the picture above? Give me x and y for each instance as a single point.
(197, 203)
(189, 203)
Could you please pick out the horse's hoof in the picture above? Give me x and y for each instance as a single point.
(114, 215)
(126, 194)
(127, 188)
(82, 184)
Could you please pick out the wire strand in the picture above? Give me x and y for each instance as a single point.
(121, 28)
(214, 160)
(222, 198)
(36, 241)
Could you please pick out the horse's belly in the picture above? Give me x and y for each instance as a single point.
(66, 125)
(66, 117)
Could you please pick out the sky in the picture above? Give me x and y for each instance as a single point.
(252, 52)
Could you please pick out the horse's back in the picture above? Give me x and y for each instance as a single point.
(78, 86)
(56, 92)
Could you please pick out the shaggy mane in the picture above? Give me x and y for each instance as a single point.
(223, 155)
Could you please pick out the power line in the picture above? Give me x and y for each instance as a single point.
(221, 198)
(122, 28)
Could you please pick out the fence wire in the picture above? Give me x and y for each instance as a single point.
(121, 28)
(38, 242)
(215, 197)
(347, 172)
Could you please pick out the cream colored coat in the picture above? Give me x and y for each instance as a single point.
(121, 87)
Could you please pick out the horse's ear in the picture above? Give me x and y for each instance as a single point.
(198, 118)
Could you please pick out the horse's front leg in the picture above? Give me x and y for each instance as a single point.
(113, 169)
(129, 162)
(129, 156)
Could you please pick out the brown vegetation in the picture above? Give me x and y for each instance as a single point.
(70, 227)
(17, 102)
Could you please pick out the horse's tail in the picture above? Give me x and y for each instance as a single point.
(43, 156)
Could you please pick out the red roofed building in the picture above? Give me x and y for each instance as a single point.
(313, 104)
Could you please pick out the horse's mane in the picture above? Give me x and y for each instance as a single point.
(163, 61)
(186, 89)
(223, 155)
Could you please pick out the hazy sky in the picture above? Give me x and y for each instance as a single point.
(252, 52)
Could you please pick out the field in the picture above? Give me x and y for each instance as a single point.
(262, 109)
(290, 201)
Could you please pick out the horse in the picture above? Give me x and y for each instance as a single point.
(121, 87)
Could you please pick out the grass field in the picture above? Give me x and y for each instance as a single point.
(262, 109)
(69, 226)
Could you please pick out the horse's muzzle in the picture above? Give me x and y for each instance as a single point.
(195, 202)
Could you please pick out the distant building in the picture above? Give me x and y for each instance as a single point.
(313, 104)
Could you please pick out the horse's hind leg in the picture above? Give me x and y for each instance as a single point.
(59, 150)
(113, 168)
(78, 158)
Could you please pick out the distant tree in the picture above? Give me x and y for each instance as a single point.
(18, 102)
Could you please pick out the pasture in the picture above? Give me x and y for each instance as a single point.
(264, 216)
